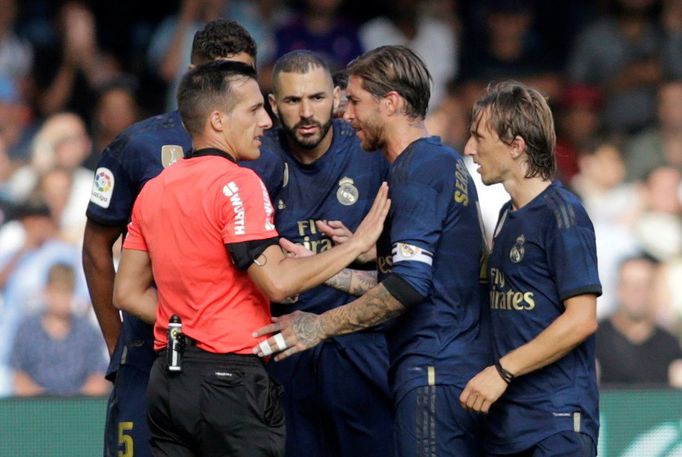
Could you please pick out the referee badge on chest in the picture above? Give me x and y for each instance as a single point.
(347, 194)
(518, 250)
(170, 153)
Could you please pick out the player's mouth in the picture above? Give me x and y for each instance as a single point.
(308, 129)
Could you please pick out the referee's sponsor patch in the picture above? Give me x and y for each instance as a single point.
(102, 187)
(403, 252)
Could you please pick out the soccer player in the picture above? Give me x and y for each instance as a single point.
(336, 396)
(541, 392)
(135, 156)
(203, 231)
(429, 259)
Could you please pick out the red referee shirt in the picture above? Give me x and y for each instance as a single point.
(183, 218)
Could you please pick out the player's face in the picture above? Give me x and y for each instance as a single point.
(245, 122)
(364, 115)
(488, 151)
(305, 103)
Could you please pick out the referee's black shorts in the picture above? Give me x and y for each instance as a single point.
(219, 405)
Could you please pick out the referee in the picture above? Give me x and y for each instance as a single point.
(203, 230)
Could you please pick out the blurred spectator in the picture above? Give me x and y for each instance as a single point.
(621, 53)
(6, 169)
(57, 352)
(16, 128)
(171, 45)
(16, 55)
(613, 206)
(660, 145)
(631, 348)
(668, 295)
(578, 122)
(659, 228)
(509, 49)
(62, 141)
(450, 118)
(56, 185)
(319, 27)
(115, 110)
(671, 19)
(408, 23)
(24, 267)
(67, 73)
(261, 18)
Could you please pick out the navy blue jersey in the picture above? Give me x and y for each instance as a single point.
(433, 240)
(340, 185)
(543, 254)
(138, 154)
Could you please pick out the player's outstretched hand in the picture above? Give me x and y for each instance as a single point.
(292, 333)
(339, 234)
(335, 230)
(294, 250)
(372, 225)
(483, 390)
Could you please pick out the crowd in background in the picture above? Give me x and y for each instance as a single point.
(73, 74)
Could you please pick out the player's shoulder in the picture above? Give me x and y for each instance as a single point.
(151, 135)
(563, 207)
(428, 158)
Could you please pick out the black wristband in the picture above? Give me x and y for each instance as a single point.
(504, 374)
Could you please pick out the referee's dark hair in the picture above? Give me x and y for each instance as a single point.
(206, 88)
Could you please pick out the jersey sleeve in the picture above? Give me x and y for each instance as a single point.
(246, 209)
(572, 254)
(135, 238)
(113, 194)
(417, 214)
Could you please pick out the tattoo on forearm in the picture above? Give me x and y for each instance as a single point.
(373, 308)
(353, 282)
(341, 280)
(362, 281)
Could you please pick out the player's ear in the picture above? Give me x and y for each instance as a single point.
(518, 146)
(273, 103)
(215, 119)
(336, 97)
(392, 102)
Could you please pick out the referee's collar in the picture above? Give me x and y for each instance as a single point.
(209, 152)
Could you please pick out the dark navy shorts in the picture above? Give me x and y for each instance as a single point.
(126, 432)
(430, 422)
(336, 398)
(563, 444)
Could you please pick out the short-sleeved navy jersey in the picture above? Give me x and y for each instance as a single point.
(340, 185)
(433, 240)
(135, 156)
(543, 254)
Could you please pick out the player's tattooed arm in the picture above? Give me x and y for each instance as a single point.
(353, 282)
(350, 281)
(301, 331)
(374, 307)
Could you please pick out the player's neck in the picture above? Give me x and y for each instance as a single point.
(523, 190)
(400, 135)
(308, 156)
(208, 142)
